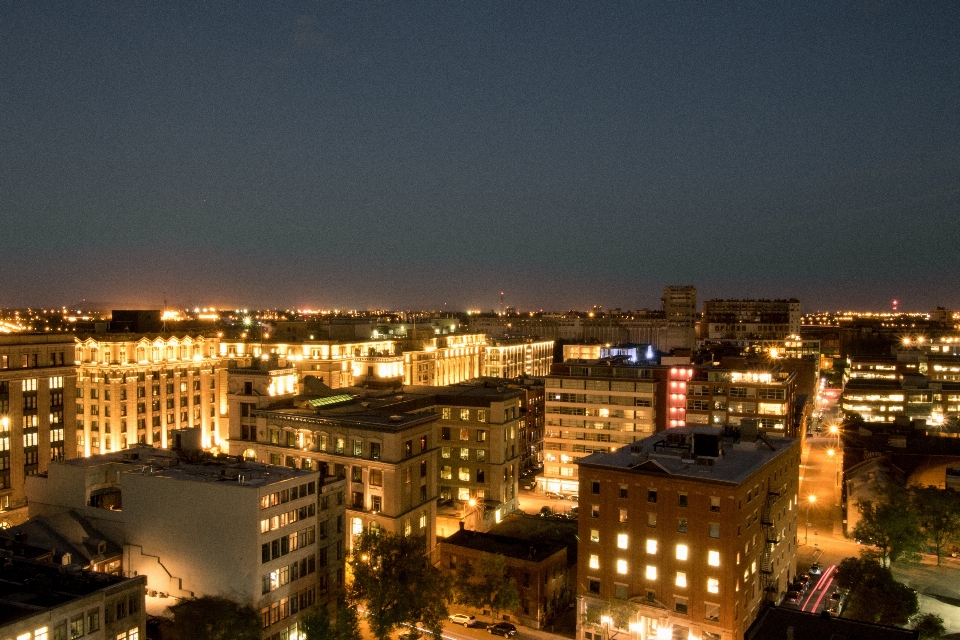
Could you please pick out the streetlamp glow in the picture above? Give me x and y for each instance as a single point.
(834, 429)
(831, 452)
(812, 498)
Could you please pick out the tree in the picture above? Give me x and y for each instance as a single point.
(929, 625)
(875, 596)
(394, 580)
(316, 624)
(889, 523)
(487, 584)
(938, 511)
(214, 618)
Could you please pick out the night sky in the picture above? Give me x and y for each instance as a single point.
(409, 155)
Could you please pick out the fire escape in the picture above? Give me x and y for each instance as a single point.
(771, 538)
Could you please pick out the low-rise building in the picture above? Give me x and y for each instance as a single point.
(41, 601)
(539, 571)
(169, 516)
(517, 358)
(686, 533)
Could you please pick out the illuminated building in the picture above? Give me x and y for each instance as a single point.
(685, 534)
(140, 389)
(593, 407)
(748, 320)
(539, 570)
(680, 306)
(445, 360)
(504, 359)
(37, 413)
(41, 601)
(435, 361)
(480, 454)
(600, 405)
(249, 532)
(387, 454)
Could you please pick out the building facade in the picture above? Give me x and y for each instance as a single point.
(139, 390)
(751, 320)
(37, 413)
(41, 601)
(168, 515)
(685, 534)
(515, 359)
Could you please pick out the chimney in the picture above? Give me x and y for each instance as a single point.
(461, 526)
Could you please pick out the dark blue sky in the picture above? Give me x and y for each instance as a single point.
(358, 154)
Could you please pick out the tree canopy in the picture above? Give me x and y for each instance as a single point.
(938, 513)
(928, 625)
(875, 596)
(316, 624)
(395, 582)
(486, 584)
(889, 523)
(214, 618)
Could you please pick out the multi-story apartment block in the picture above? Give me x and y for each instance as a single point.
(480, 453)
(168, 514)
(750, 320)
(686, 533)
(726, 396)
(600, 405)
(916, 397)
(680, 305)
(445, 360)
(136, 389)
(513, 359)
(435, 361)
(593, 407)
(387, 454)
(41, 601)
(37, 413)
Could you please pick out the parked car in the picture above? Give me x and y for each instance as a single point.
(504, 629)
(793, 597)
(835, 604)
(462, 618)
(816, 569)
(574, 496)
(554, 495)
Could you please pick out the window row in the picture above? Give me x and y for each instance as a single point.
(288, 517)
(285, 544)
(286, 495)
(287, 574)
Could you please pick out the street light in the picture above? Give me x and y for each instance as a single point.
(811, 499)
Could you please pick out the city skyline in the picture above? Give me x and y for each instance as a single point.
(346, 155)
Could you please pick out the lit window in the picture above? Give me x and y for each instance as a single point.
(713, 585)
(651, 572)
(651, 546)
(682, 552)
(622, 567)
(594, 535)
(594, 562)
(622, 540)
(753, 567)
(681, 579)
(713, 558)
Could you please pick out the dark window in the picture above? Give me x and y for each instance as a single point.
(594, 586)
(651, 495)
(594, 487)
(682, 500)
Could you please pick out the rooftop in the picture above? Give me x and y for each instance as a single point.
(28, 588)
(703, 453)
(504, 545)
(150, 461)
(774, 623)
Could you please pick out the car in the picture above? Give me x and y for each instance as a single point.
(504, 629)
(554, 495)
(574, 496)
(462, 618)
(835, 604)
(799, 587)
(816, 569)
(792, 597)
